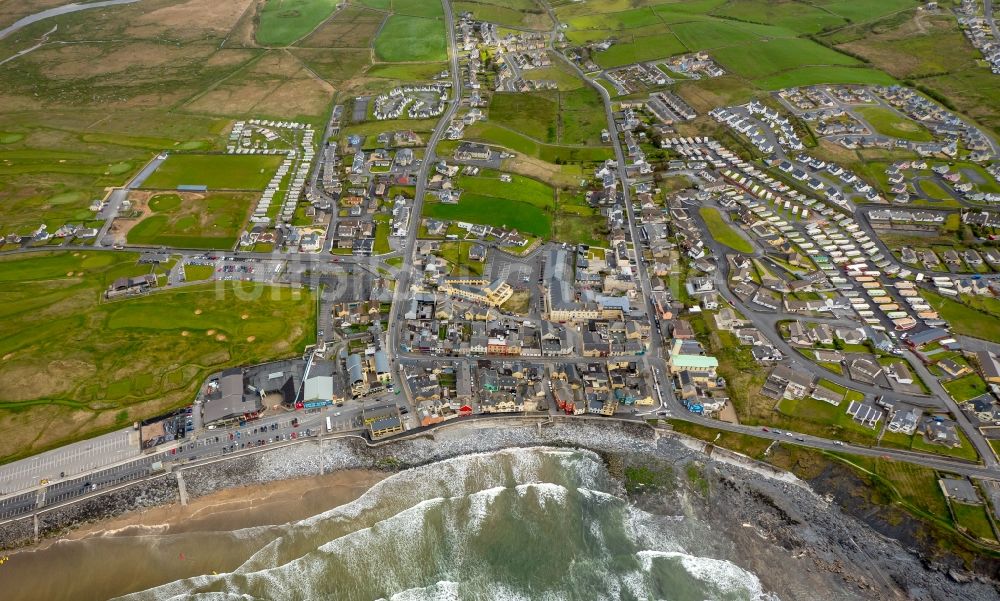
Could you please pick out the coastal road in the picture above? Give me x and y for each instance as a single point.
(71, 460)
(110, 460)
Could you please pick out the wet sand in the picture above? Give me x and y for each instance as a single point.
(143, 549)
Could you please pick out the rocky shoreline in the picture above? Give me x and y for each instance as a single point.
(769, 517)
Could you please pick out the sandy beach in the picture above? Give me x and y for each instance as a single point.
(144, 548)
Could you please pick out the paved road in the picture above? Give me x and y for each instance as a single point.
(71, 460)
(118, 195)
(395, 322)
(113, 459)
(988, 13)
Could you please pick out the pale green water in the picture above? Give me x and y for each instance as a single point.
(519, 524)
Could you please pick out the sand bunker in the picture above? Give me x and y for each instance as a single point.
(197, 311)
(220, 337)
(245, 316)
(210, 333)
(185, 333)
(249, 339)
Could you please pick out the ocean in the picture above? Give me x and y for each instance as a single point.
(518, 524)
(532, 524)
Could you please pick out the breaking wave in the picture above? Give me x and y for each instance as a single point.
(533, 524)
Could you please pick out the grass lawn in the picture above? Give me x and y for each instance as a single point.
(964, 319)
(281, 22)
(974, 519)
(722, 232)
(383, 225)
(520, 188)
(194, 220)
(217, 171)
(404, 38)
(965, 451)
(195, 273)
(457, 253)
(498, 212)
(825, 414)
(933, 190)
(916, 443)
(890, 123)
(966, 387)
(741, 443)
(561, 74)
(80, 361)
(849, 393)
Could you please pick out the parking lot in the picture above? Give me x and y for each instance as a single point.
(68, 461)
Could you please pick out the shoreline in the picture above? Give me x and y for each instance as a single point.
(270, 503)
(792, 515)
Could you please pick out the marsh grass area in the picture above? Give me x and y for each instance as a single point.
(74, 364)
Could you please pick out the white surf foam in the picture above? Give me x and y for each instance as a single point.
(724, 575)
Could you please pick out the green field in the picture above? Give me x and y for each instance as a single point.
(640, 49)
(574, 117)
(974, 519)
(761, 59)
(415, 72)
(498, 212)
(534, 114)
(890, 123)
(196, 273)
(862, 10)
(217, 171)
(515, 13)
(723, 233)
(404, 39)
(794, 15)
(549, 153)
(282, 22)
(194, 221)
(520, 188)
(418, 8)
(982, 322)
(808, 76)
(713, 34)
(80, 361)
